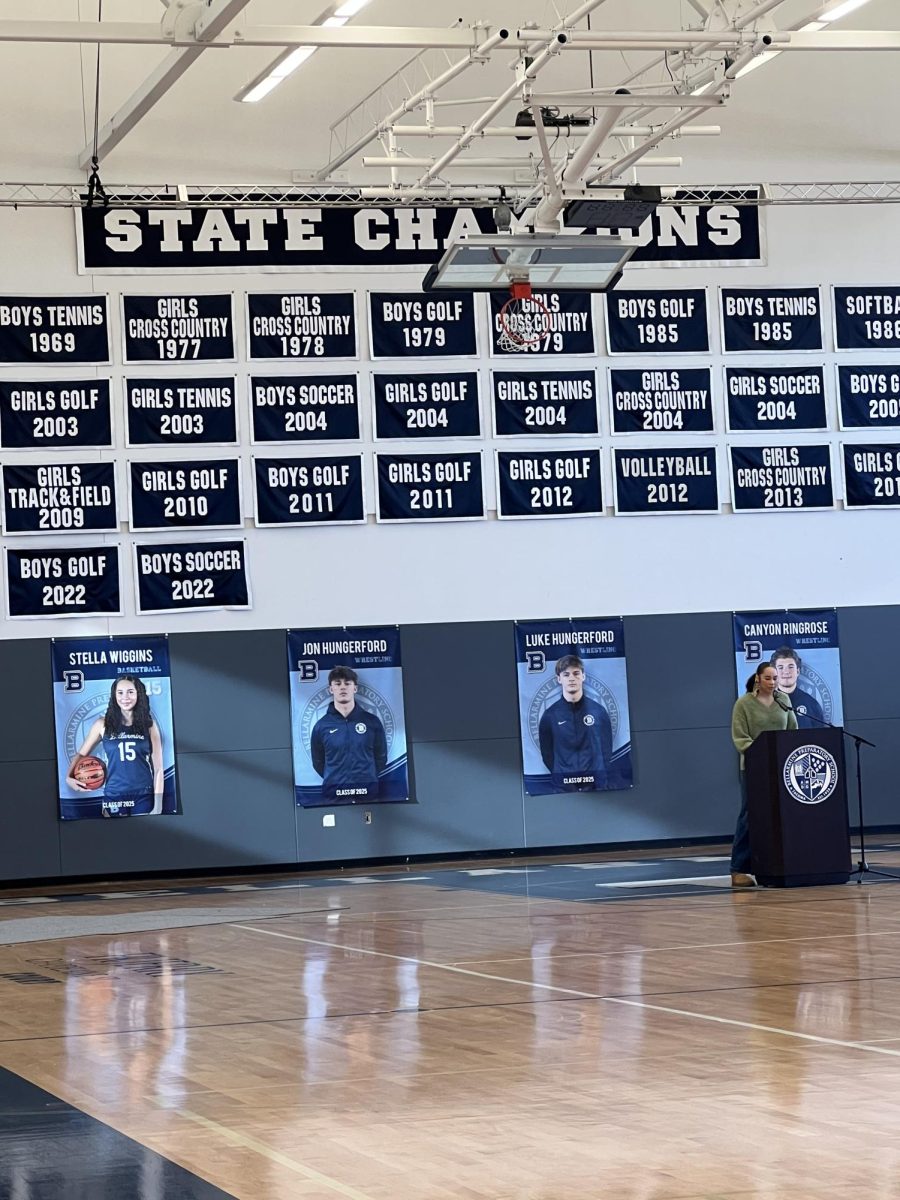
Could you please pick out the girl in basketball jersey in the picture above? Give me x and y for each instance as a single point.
(130, 743)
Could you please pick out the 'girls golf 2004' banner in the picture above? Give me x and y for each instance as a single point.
(115, 745)
(348, 730)
(573, 705)
(803, 648)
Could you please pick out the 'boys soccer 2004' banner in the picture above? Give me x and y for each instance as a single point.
(573, 705)
(803, 648)
(115, 745)
(348, 729)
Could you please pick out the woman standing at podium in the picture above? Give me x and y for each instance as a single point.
(757, 711)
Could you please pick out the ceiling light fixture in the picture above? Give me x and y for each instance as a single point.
(833, 12)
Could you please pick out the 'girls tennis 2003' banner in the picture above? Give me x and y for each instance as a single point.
(115, 745)
(348, 731)
(573, 705)
(803, 648)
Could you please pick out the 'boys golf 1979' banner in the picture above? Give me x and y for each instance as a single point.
(115, 746)
(573, 705)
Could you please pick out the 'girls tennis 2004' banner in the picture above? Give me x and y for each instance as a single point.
(348, 730)
(573, 705)
(115, 745)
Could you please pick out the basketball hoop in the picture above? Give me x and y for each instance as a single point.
(523, 321)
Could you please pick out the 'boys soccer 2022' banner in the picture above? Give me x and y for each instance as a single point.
(803, 648)
(115, 744)
(573, 705)
(348, 729)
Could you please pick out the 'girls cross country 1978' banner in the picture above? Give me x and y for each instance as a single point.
(115, 745)
(348, 729)
(803, 648)
(573, 705)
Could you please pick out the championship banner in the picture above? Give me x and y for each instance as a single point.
(549, 483)
(348, 729)
(781, 478)
(309, 491)
(115, 744)
(573, 705)
(803, 648)
(292, 325)
(869, 397)
(872, 475)
(410, 325)
(426, 406)
(771, 320)
(542, 403)
(568, 330)
(656, 322)
(181, 412)
(866, 318)
(678, 401)
(178, 328)
(304, 408)
(429, 487)
(653, 481)
(75, 498)
(763, 398)
(80, 582)
(54, 329)
(201, 494)
(38, 415)
(184, 576)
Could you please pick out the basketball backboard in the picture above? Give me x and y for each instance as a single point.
(547, 262)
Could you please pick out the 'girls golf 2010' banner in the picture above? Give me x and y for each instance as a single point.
(803, 648)
(115, 744)
(573, 705)
(348, 730)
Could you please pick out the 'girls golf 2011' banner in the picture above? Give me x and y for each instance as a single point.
(115, 744)
(573, 705)
(803, 648)
(348, 730)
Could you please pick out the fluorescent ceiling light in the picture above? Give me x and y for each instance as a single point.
(335, 22)
(841, 10)
(757, 62)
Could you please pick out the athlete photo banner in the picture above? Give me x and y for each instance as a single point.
(115, 743)
(348, 729)
(54, 329)
(804, 649)
(771, 320)
(39, 415)
(573, 705)
(295, 325)
(181, 412)
(661, 401)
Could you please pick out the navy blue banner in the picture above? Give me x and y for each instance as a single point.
(198, 494)
(771, 320)
(871, 475)
(662, 481)
(671, 321)
(183, 576)
(781, 478)
(178, 328)
(429, 487)
(304, 408)
(427, 406)
(564, 325)
(804, 649)
(549, 483)
(661, 401)
(291, 325)
(196, 411)
(54, 329)
(78, 582)
(542, 403)
(71, 498)
(761, 398)
(412, 325)
(309, 491)
(37, 415)
(869, 396)
(866, 318)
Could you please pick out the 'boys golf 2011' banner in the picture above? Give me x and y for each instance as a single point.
(115, 744)
(573, 705)
(803, 648)
(348, 730)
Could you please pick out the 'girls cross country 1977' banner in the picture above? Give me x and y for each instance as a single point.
(573, 705)
(803, 648)
(348, 729)
(115, 745)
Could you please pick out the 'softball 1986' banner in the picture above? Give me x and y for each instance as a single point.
(573, 705)
(348, 730)
(115, 745)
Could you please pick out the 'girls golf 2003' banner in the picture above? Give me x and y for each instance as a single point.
(573, 705)
(803, 648)
(348, 731)
(115, 745)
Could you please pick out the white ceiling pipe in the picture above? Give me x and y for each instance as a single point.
(528, 131)
(509, 163)
(635, 155)
(676, 39)
(565, 24)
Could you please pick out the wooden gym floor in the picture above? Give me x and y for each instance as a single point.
(583, 1028)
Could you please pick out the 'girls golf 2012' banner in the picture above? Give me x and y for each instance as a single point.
(115, 744)
(573, 705)
(348, 730)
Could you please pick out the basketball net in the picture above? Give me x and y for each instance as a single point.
(524, 320)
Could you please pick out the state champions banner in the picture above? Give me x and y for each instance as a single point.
(803, 647)
(112, 704)
(573, 705)
(348, 728)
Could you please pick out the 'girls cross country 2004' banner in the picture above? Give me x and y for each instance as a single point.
(348, 730)
(573, 705)
(115, 745)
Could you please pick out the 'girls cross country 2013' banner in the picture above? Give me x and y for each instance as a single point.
(803, 648)
(115, 744)
(573, 705)
(348, 730)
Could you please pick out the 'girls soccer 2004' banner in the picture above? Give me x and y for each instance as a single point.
(573, 705)
(803, 648)
(115, 745)
(348, 731)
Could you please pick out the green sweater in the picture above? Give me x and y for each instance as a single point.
(750, 718)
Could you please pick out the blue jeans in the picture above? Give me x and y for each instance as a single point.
(740, 849)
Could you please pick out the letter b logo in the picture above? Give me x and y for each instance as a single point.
(752, 651)
(535, 660)
(308, 670)
(73, 681)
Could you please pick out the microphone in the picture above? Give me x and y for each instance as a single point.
(783, 707)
